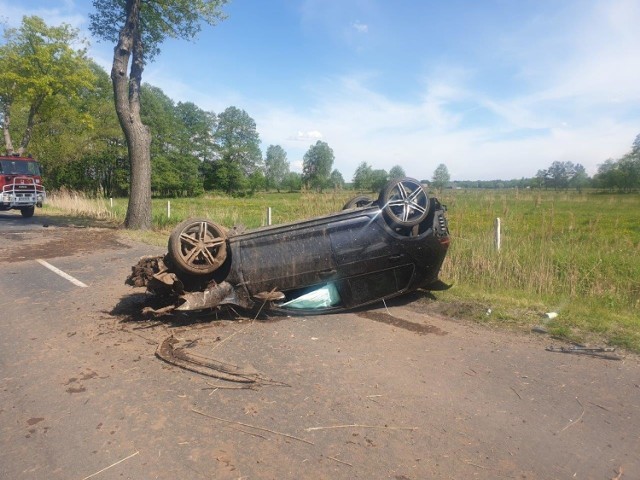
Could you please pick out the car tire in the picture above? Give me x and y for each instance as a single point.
(358, 202)
(27, 212)
(404, 202)
(197, 247)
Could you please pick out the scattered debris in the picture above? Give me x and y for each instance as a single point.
(112, 465)
(252, 426)
(619, 474)
(178, 357)
(355, 425)
(551, 315)
(601, 352)
(539, 329)
(573, 422)
(516, 392)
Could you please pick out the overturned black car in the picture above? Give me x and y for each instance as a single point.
(370, 251)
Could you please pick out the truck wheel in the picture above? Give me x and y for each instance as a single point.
(404, 202)
(198, 246)
(27, 212)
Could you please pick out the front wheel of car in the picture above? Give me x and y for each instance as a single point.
(358, 202)
(198, 247)
(404, 202)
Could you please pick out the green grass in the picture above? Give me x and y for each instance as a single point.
(574, 254)
(248, 211)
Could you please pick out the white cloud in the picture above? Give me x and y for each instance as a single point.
(12, 14)
(360, 27)
(312, 135)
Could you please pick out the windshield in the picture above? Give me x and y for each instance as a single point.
(19, 167)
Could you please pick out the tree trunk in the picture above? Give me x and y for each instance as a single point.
(6, 111)
(31, 120)
(127, 99)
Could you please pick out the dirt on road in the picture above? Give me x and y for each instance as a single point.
(390, 392)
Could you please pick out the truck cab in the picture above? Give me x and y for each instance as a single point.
(21, 184)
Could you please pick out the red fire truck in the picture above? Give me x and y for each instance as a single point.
(20, 184)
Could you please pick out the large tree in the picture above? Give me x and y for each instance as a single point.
(316, 165)
(38, 66)
(80, 142)
(396, 172)
(198, 126)
(238, 154)
(276, 166)
(362, 177)
(175, 170)
(138, 28)
(441, 177)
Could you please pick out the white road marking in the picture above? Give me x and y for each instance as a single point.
(66, 276)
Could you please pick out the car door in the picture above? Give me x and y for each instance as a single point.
(371, 263)
(286, 257)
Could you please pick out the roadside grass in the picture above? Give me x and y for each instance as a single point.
(564, 252)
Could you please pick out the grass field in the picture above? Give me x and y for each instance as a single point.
(574, 254)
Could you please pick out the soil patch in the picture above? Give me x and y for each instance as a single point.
(56, 242)
(419, 328)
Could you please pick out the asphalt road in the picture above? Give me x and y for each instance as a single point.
(363, 395)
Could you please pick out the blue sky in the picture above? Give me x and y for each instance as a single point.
(492, 89)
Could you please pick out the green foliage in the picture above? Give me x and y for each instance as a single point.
(336, 180)
(292, 181)
(622, 174)
(396, 172)
(238, 151)
(195, 136)
(181, 136)
(316, 166)
(159, 20)
(440, 177)
(379, 178)
(276, 167)
(41, 74)
(362, 177)
(562, 175)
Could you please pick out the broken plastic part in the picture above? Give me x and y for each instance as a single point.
(323, 297)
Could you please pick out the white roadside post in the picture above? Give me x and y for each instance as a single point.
(497, 233)
(168, 209)
(268, 215)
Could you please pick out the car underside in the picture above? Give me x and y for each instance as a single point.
(369, 251)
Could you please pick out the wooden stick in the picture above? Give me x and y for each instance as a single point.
(514, 391)
(619, 474)
(112, 465)
(339, 461)
(579, 418)
(311, 429)
(252, 426)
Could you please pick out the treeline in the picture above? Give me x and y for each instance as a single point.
(58, 105)
(621, 175)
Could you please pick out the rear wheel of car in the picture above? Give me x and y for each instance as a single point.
(404, 202)
(358, 202)
(27, 212)
(198, 246)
